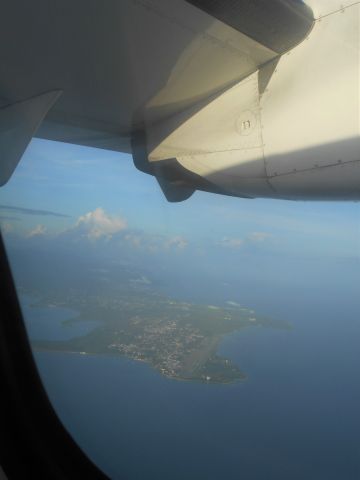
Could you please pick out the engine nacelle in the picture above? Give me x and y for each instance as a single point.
(289, 130)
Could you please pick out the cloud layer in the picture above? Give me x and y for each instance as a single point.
(98, 226)
(39, 230)
(31, 211)
(251, 238)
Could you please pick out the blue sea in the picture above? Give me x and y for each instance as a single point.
(49, 322)
(296, 417)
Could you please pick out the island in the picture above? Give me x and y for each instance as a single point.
(179, 339)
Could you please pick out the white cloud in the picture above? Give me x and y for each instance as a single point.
(133, 239)
(98, 224)
(37, 231)
(176, 242)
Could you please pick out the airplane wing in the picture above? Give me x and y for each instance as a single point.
(248, 98)
(123, 66)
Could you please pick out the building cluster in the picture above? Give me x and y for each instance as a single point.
(165, 344)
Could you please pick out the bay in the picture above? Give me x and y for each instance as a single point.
(50, 322)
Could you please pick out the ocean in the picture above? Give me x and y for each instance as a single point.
(296, 416)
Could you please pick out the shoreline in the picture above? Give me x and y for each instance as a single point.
(37, 349)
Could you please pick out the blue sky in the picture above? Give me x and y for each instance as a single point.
(74, 180)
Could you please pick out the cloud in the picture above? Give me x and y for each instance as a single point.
(293, 217)
(39, 230)
(251, 238)
(31, 211)
(98, 224)
(8, 218)
(134, 239)
(258, 236)
(176, 242)
(154, 243)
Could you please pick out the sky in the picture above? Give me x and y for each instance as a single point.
(59, 188)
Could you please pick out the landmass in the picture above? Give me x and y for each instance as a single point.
(177, 338)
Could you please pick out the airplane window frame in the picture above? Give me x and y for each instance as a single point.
(33, 441)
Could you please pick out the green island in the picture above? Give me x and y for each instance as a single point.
(178, 339)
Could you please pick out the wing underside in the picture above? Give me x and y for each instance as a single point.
(124, 66)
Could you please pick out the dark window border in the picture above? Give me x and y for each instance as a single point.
(33, 441)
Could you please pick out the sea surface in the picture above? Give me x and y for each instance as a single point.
(296, 417)
(50, 322)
